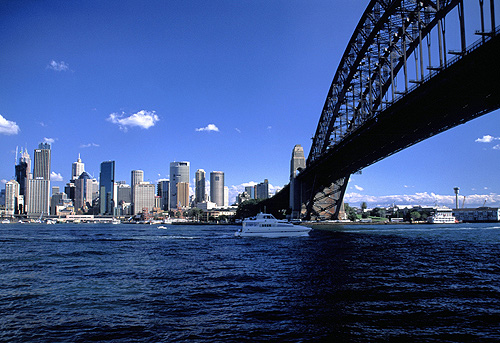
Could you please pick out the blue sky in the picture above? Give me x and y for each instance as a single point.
(225, 85)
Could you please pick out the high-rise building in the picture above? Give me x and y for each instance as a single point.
(144, 197)
(200, 193)
(262, 190)
(182, 194)
(77, 168)
(250, 190)
(23, 174)
(124, 194)
(83, 191)
(163, 191)
(11, 197)
(137, 176)
(39, 185)
(179, 172)
(217, 188)
(107, 187)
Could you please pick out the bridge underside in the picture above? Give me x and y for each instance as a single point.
(461, 92)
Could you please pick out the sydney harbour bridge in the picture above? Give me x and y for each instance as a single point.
(398, 83)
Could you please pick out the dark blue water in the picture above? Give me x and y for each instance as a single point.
(132, 283)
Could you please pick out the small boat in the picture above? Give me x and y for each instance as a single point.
(266, 225)
(115, 221)
(5, 221)
(162, 227)
(50, 221)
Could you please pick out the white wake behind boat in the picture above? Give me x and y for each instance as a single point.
(265, 225)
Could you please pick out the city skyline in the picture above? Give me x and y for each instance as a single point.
(235, 97)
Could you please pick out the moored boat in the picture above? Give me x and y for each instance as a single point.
(266, 225)
(442, 215)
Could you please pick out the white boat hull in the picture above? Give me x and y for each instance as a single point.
(265, 225)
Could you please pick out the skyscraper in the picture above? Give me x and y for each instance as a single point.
(77, 168)
(179, 172)
(163, 191)
(136, 177)
(23, 174)
(182, 194)
(107, 187)
(39, 185)
(262, 190)
(250, 190)
(200, 193)
(217, 188)
(144, 197)
(83, 190)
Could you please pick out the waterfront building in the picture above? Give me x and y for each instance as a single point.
(480, 214)
(217, 188)
(144, 197)
(77, 168)
(107, 187)
(242, 197)
(163, 191)
(250, 190)
(11, 197)
(262, 190)
(58, 202)
(179, 172)
(39, 185)
(200, 193)
(182, 195)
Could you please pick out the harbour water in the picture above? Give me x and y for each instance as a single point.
(138, 283)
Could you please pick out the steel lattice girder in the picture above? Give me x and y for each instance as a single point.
(387, 33)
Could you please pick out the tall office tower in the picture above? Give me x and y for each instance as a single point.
(298, 161)
(39, 185)
(11, 196)
(107, 187)
(262, 190)
(69, 189)
(83, 191)
(23, 174)
(124, 194)
(41, 162)
(182, 195)
(200, 193)
(163, 191)
(179, 172)
(77, 168)
(137, 176)
(57, 201)
(144, 197)
(217, 188)
(250, 190)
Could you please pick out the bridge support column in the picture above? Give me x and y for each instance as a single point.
(328, 203)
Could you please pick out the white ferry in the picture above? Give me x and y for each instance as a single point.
(442, 216)
(265, 225)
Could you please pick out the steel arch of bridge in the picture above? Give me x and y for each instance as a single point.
(387, 34)
(366, 84)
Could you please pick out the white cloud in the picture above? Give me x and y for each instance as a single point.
(8, 127)
(209, 127)
(269, 127)
(143, 119)
(58, 66)
(89, 145)
(56, 176)
(487, 139)
(359, 188)
(497, 147)
(422, 199)
(48, 140)
(3, 181)
(237, 130)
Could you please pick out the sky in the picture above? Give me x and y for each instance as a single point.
(229, 86)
